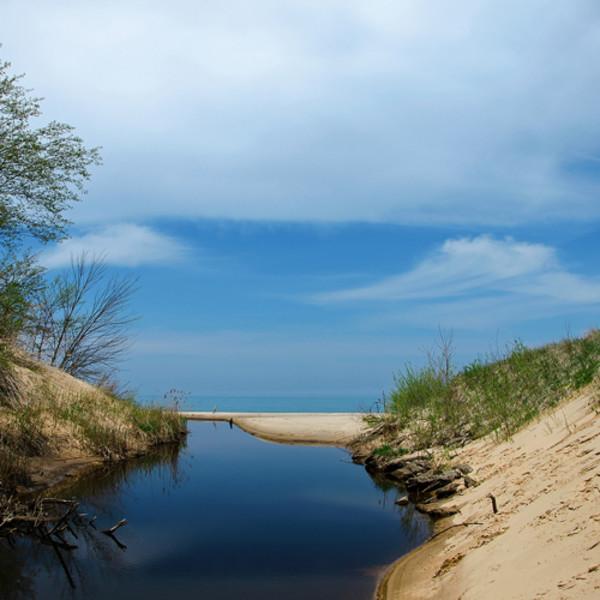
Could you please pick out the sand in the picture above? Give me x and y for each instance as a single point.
(545, 540)
(336, 429)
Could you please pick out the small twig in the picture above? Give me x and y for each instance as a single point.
(111, 533)
(64, 518)
(115, 527)
(494, 504)
(58, 501)
(594, 545)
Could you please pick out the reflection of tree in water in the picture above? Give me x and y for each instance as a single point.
(103, 489)
(25, 564)
(16, 573)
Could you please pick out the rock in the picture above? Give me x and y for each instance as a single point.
(464, 468)
(424, 485)
(407, 470)
(470, 482)
(359, 457)
(403, 501)
(414, 461)
(448, 490)
(432, 479)
(401, 474)
(437, 511)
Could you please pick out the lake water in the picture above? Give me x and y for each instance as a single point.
(229, 518)
(326, 403)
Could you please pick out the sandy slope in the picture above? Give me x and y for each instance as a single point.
(336, 429)
(545, 540)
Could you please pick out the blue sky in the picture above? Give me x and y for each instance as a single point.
(309, 190)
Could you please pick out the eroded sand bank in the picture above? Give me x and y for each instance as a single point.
(544, 542)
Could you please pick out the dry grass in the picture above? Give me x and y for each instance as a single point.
(46, 412)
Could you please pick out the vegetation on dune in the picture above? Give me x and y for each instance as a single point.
(76, 321)
(437, 405)
(56, 415)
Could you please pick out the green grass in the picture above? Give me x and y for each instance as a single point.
(50, 415)
(112, 426)
(494, 395)
(390, 451)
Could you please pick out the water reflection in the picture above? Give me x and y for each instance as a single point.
(227, 517)
(25, 563)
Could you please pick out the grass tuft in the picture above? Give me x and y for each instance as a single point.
(497, 395)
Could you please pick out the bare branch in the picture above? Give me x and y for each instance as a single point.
(81, 319)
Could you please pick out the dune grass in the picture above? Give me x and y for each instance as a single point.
(54, 415)
(436, 405)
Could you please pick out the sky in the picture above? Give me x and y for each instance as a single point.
(309, 191)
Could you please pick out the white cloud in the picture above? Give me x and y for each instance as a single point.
(123, 244)
(349, 110)
(481, 266)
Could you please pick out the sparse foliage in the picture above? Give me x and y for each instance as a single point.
(80, 320)
(42, 169)
(19, 280)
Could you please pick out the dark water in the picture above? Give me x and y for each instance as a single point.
(232, 518)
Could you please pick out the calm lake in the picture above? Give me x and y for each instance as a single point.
(283, 403)
(230, 517)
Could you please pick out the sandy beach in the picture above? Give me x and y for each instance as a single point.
(335, 429)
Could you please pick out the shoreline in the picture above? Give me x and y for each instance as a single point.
(544, 541)
(323, 429)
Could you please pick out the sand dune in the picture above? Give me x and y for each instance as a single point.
(544, 542)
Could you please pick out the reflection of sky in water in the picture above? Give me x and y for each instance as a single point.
(240, 519)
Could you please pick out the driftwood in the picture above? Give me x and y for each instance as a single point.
(48, 521)
(111, 533)
(115, 527)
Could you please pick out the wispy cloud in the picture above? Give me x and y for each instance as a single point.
(249, 111)
(479, 267)
(124, 244)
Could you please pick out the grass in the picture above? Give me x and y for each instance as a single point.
(54, 415)
(111, 426)
(390, 451)
(437, 406)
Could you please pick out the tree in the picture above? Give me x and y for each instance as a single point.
(42, 170)
(79, 321)
(20, 278)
